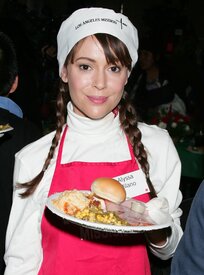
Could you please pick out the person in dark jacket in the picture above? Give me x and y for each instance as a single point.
(153, 88)
(188, 258)
(22, 132)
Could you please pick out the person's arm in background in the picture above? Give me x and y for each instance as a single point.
(188, 258)
(162, 95)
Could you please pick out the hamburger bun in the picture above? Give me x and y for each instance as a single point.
(109, 189)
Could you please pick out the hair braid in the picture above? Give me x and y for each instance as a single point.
(128, 119)
(31, 186)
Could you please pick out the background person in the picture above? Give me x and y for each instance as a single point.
(188, 258)
(97, 49)
(153, 89)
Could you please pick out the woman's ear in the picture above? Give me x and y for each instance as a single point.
(14, 86)
(64, 75)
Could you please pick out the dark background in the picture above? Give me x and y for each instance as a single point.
(170, 11)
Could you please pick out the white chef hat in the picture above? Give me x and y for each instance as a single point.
(89, 21)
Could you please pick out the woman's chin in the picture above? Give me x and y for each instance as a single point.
(93, 113)
(97, 114)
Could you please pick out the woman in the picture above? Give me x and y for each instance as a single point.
(97, 48)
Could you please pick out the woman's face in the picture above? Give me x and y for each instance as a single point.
(95, 86)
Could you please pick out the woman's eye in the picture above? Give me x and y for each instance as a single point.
(115, 69)
(84, 67)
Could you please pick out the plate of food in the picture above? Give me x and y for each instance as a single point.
(103, 211)
(5, 128)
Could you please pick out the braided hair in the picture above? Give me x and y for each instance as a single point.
(129, 121)
(114, 50)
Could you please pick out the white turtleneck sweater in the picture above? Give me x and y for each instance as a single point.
(86, 140)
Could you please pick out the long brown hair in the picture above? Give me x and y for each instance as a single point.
(114, 51)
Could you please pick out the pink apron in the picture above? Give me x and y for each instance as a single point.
(74, 250)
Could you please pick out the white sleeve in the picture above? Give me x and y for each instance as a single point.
(170, 165)
(23, 240)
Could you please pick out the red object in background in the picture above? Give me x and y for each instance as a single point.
(169, 47)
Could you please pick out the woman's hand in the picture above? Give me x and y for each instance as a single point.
(158, 210)
(157, 237)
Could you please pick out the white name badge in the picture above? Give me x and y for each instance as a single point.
(134, 183)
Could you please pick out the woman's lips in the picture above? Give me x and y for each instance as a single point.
(97, 99)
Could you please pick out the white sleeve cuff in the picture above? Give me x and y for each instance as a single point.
(158, 246)
(167, 250)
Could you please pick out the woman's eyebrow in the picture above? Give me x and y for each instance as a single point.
(85, 58)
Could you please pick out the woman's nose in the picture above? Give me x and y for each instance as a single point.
(99, 80)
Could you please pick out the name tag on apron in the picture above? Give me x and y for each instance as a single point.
(134, 183)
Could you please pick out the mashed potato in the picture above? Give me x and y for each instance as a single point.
(70, 202)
